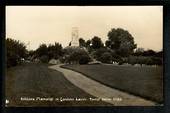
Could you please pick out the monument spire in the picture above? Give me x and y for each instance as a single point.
(75, 37)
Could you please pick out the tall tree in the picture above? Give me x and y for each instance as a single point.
(88, 45)
(15, 51)
(121, 41)
(139, 52)
(159, 54)
(149, 52)
(88, 42)
(82, 42)
(96, 42)
(58, 50)
(55, 51)
(42, 50)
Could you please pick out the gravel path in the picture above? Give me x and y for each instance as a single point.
(110, 95)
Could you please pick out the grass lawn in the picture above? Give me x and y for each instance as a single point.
(145, 81)
(37, 80)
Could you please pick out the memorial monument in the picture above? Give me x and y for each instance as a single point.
(75, 37)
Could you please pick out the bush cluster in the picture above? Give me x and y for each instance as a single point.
(106, 58)
(76, 55)
(144, 60)
(15, 52)
(106, 55)
(44, 58)
(119, 47)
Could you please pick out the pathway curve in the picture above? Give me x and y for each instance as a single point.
(99, 90)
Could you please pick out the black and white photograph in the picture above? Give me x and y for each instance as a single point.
(83, 56)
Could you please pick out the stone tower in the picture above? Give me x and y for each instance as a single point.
(75, 37)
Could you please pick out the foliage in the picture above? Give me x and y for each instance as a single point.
(88, 42)
(31, 53)
(159, 54)
(120, 62)
(52, 51)
(55, 51)
(76, 55)
(134, 60)
(15, 51)
(149, 52)
(98, 55)
(84, 59)
(121, 41)
(42, 50)
(82, 42)
(96, 42)
(157, 60)
(69, 50)
(108, 44)
(88, 45)
(106, 57)
(144, 60)
(44, 58)
(138, 52)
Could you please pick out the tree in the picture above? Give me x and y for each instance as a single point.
(84, 59)
(99, 52)
(31, 53)
(159, 54)
(106, 57)
(149, 53)
(88, 42)
(108, 43)
(96, 42)
(55, 51)
(88, 45)
(44, 58)
(58, 50)
(82, 42)
(76, 55)
(121, 41)
(51, 50)
(15, 51)
(139, 52)
(42, 50)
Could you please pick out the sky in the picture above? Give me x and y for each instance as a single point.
(50, 24)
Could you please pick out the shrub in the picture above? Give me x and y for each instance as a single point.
(98, 55)
(120, 62)
(76, 55)
(144, 60)
(106, 57)
(99, 52)
(42, 50)
(84, 59)
(157, 60)
(15, 51)
(149, 61)
(132, 60)
(62, 59)
(44, 59)
(12, 61)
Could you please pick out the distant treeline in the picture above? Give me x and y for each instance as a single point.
(119, 47)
